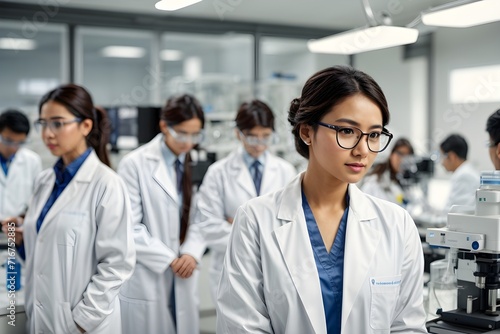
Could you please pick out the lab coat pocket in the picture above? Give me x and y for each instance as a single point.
(384, 295)
(67, 323)
(68, 225)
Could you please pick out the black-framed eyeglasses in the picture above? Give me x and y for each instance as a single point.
(55, 125)
(349, 136)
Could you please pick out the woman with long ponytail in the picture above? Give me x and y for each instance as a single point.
(77, 233)
(162, 295)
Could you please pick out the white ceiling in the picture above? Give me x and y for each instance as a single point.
(330, 14)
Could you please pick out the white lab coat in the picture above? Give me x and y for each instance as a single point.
(270, 283)
(383, 188)
(227, 185)
(17, 186)
(464, 183)
(82, 254)
(156, 219)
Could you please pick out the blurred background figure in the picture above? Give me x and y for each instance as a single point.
(249, 171)
(493, 129)
(465, 179)
(162, 295)
(20, 166)
(384, 181)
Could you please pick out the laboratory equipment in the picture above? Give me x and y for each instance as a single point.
(415, 169)
(475, 233)
(414, 175)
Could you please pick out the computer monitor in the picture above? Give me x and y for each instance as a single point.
(132, 126)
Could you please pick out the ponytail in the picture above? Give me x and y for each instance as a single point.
(187, 192)
(99, 135)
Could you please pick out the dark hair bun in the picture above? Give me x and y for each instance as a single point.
(294, 108)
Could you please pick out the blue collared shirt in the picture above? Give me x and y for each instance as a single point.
(330, 266)
(6, 163)
(249, 160)
(64, 175)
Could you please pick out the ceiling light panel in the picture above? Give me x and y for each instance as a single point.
(362, 40)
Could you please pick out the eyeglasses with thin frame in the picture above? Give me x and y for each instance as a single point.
(349, 136)
(182, 137)
(55, 125)
(11, 143)
(256, 141)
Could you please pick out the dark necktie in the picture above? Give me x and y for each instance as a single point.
(178, 174)
(256, 175)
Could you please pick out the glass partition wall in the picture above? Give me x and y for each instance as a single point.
(33, 60)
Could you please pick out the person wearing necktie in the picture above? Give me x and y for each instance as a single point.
(162, 295)
(249, 171)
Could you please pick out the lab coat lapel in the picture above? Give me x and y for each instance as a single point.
(242, 174)
(16, 166)
(271, 170)
(360, 248)
(295, 246)
(159, 167)
(81, 179)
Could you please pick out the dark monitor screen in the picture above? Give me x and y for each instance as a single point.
(200, 167)
(132, 126)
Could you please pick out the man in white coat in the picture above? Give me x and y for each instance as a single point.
(229, 183)
(20, 166)
(465, 178)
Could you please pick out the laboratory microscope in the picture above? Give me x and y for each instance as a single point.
(475, 233)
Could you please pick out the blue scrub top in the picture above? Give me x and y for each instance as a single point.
(63, 178)
(5, 163)
(64, 175)
(330, 266)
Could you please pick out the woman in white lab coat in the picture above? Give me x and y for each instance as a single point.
(320, 256)
(383, 181)
(77, 231)
(229, 182)
(162, 295)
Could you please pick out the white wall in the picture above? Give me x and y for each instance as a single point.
(404, 85)
(463, 48)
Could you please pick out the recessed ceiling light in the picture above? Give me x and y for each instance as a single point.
(8, 43)
(172, 5)
(116, 51)
(171, 55)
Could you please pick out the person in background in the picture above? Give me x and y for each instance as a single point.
(383, 181)
(493, 129)
(465, 179)
(249, 171)
(77, 232)
(162, 295)
(320, 256)
(20, 166)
